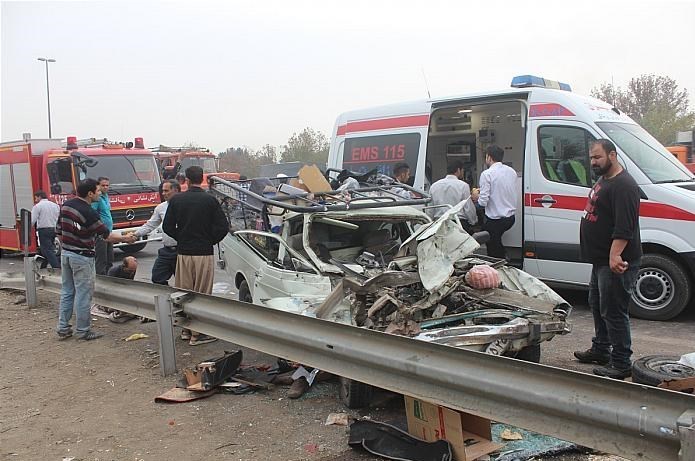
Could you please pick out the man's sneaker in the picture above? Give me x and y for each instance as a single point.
(90, 335)
(201, 339)
(64, 334)
(610, 371)
(591, 356)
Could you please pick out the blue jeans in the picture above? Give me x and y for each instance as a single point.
(609, 299)
(164, 266)
(47, 237)
(78, 287)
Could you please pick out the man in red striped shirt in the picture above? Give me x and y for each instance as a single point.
(78, 226)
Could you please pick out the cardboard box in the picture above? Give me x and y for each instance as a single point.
(469, 435)
(313, 179)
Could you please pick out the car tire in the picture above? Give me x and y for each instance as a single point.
(662, 289)
(245, 293)
(654, 369)
(132, 249)
(355, 394)
(530, 354)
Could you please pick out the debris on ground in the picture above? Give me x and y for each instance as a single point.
(508, 434)
(389, 442)
(136, 336)
(337, 419)
(529, 446)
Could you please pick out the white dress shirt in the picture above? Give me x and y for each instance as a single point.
(45, 214)
(498, 191)
(156, 221)
(451, 190)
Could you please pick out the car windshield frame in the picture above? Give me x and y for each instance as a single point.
(657, 164)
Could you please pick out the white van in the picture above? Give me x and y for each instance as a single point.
(545, 131)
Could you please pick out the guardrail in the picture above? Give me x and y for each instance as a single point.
(630, 420)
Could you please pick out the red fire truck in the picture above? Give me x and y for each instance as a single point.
(174, 160)
(56, 168)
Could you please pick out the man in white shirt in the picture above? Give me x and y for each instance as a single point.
(451, 190)
(165, 264)
(44, 215)
(498, 195)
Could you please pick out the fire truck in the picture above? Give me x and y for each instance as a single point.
(175, 160)
(56, 168)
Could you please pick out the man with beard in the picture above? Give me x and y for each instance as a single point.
(610, 241)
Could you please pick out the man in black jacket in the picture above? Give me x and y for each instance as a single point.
(610, 241)
(196, 221)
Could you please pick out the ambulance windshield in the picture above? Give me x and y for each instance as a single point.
(649, 155)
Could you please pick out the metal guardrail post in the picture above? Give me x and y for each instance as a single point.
(165, 328)
(30, 282)
(25, 240)
(686, 430)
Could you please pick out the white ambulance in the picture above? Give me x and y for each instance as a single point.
(545, 131)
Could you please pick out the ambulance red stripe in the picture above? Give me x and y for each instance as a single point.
(384, 124)
(647, 209)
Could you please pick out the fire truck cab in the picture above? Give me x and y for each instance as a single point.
(56, 168)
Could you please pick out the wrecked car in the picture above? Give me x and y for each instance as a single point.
(384, 266)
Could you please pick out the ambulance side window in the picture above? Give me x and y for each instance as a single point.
(382, 153)
(563, 153)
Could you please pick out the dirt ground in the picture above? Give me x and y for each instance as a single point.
(76, 400)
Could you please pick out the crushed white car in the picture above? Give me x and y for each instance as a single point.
(381, 265)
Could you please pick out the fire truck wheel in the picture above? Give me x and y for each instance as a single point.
(662, 289)
(132, 249)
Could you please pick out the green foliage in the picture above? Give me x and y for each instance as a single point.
(654, 101)
(308, 146)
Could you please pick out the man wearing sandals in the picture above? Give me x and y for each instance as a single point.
(78, 226)
(196, 221)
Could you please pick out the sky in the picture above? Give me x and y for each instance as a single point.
(231, 74)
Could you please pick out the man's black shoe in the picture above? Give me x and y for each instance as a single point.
(610, 371)
(591, 356)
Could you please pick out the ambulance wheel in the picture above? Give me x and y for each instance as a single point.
(245, 293)
(132, 249)
(355, 394)
(662, 289)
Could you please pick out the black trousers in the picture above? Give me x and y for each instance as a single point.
(47, 237)
(164, 266)
(497, 227)
(103, 251)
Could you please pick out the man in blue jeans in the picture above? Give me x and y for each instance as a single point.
(610, 241)
(78, 226)
(44, 215)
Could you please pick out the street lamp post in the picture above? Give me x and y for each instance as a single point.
(48, 93)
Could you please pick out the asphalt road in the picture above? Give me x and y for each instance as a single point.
(674, 337)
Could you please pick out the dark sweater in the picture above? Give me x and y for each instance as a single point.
(196, 221)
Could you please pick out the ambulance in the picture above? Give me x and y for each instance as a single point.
(545, 130)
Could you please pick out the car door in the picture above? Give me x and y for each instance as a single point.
(281, 272)
(559, 181)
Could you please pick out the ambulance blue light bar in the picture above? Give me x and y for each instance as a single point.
(525, 81)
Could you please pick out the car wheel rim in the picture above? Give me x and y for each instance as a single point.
(671, 368)
(653, 290)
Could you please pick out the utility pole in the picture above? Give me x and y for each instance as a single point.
(48, 94)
